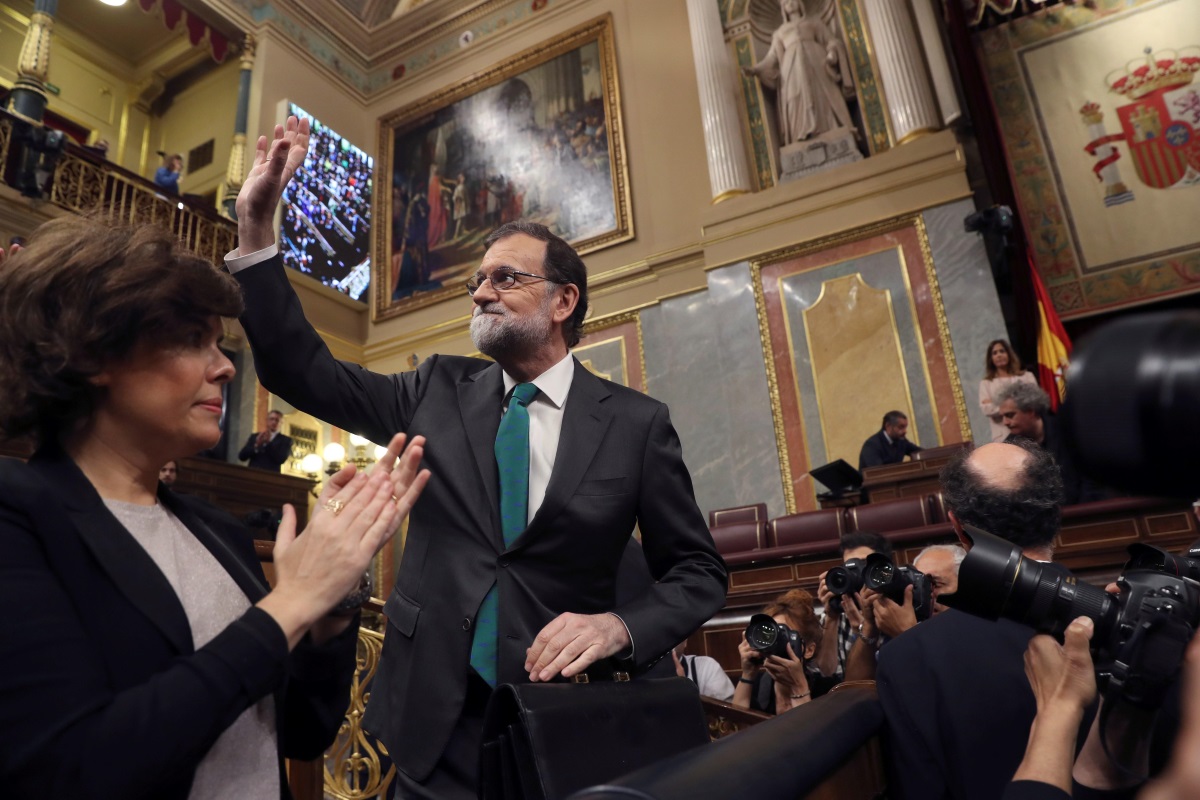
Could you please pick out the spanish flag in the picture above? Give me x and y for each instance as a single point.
(1053, 344)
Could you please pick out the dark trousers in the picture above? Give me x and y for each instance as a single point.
(456, 775)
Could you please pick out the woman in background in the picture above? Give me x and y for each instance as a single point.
(1003, 368)
(142, 654)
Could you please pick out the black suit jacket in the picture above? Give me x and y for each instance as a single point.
(101, 692)
(878, 450)
(271, 457)
(958, 707)
(619, 463)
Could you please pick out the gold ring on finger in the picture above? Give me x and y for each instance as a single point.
(395, 499)
(334, 506)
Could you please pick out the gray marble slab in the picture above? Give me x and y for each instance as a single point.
(969, 296)
(704, 359)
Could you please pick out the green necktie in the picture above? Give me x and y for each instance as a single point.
(512, 463)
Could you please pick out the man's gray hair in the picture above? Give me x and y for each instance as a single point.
(1026, 397)
(953, 549)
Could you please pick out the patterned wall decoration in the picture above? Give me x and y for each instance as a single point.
(866, 77)
(1100, 116)
(755, 118)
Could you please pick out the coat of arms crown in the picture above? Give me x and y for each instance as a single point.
(1166, 69)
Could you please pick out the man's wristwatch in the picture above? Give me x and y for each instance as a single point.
(871, 640)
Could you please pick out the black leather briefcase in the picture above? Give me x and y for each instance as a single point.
(543, 741)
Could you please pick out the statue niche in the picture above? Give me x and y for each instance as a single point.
(808, 67)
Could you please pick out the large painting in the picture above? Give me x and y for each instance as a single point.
(538, 137)
(1100, 114)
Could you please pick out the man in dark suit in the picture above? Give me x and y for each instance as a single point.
(540, 472)
(958, 707)
(267, 449)
(889, 445)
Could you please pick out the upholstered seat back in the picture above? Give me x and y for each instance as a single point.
(739, 537)
(810, 526)
(728, 516)
(894, 515)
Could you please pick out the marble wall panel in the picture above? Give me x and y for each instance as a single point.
(969, 296)
(704, 358)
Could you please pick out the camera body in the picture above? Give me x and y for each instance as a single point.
(1140, 634)
(878, 573)
(771, 638)
(883, 576)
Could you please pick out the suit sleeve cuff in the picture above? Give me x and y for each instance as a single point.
(235, 261)
(625, 655)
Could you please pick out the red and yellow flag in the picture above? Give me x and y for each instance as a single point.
(1053, 344)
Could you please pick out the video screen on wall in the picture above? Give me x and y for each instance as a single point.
(326, 228)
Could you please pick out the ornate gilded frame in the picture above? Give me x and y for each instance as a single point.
(599, 30)
(793, 460)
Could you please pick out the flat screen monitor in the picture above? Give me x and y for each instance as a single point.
(326, 228)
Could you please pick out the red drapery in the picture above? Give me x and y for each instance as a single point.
(198, 30)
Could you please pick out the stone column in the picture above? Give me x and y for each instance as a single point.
(906, 87)
(936, 59)
(728, 173)
(28, 98)
(235, 174)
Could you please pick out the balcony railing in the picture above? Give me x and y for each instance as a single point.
(85, 183)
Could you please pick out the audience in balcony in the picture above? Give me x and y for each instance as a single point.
(704, 671)
(776, 684)
(143, 654)
(167, 176)
(841, 624)
(1025, 409)
(956, 702)
(889, 445)
(1003, 369)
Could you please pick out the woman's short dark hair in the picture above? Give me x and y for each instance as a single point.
(561, 264)
(82, 295)
(797, 606)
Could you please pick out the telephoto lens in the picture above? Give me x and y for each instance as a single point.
(995, 580)
(1130, 414)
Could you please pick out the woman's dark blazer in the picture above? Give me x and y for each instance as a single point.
(101, 692)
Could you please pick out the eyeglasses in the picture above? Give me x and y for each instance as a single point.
(503, 279)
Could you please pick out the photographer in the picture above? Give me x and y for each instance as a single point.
(776, 684)
(842, 622)
(956, 702)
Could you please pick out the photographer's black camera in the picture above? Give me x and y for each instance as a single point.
(877, 572)
(771, 638)
(846, 579)
(1140, 634)
(882, 576)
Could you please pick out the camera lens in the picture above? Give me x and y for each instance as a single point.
(846, 579)
(762, 632)
(995, 581)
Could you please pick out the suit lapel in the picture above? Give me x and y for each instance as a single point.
(128, 565)
(250, 583)
(479, 399)
(585, 420)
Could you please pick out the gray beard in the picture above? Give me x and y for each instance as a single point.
(503, 334)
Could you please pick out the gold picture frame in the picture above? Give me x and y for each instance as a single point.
(493, 148)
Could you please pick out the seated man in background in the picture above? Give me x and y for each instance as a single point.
(841, 626)
(775, 684)
(1025, 411)
(889, 445)
(956, 702)
(704, 671)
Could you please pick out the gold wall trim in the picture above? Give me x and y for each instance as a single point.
(764, 337)
(912, 305)
(633, 315)
(943, 324)
(728, 193)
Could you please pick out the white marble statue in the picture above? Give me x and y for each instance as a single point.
(808, 67)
